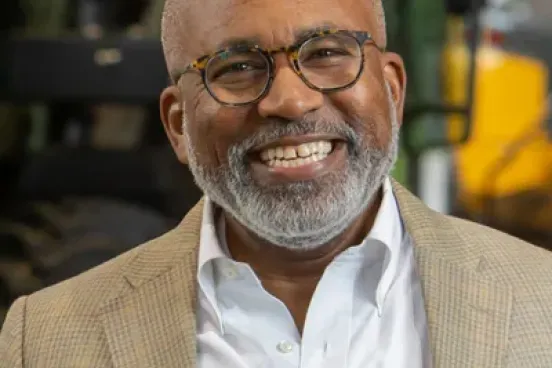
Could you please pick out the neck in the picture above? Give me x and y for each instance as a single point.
(275, 262)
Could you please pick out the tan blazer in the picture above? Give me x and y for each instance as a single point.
(488, 299)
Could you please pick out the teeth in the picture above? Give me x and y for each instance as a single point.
(297, 162)
(265, 155)
(289, 152)
(296, 156)
(303, 150)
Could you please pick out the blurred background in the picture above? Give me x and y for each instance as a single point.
(86, 171)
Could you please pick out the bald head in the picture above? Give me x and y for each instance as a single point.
(181, 17)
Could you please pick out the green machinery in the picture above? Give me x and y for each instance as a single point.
(421, 43)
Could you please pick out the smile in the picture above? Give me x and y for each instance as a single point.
(298, 158)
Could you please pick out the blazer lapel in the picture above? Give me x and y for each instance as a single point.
(468, 315)
(152, 321)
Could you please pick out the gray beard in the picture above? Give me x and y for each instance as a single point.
(300, 215)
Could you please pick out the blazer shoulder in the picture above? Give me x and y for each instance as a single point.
(85, 293)
(511, 257)
(525, 270)
(35, 324)
(507, 245)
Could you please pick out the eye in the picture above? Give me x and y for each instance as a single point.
(331, 50)
(326, 53)
(325, 57)
(234, 68)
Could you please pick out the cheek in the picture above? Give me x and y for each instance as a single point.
(213, 130)
(366, 104)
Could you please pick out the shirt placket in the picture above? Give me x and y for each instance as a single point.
(326, 337)
(259, 316)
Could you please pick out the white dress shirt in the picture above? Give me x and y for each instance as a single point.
(366, 311)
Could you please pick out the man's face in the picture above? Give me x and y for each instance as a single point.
(349, 138)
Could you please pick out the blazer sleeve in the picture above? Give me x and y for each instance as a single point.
(11, 337)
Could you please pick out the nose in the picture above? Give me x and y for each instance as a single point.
(289, 97)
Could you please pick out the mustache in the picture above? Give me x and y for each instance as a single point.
(275, 128)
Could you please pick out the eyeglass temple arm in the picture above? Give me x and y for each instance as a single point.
(176, 74)
(368, 37)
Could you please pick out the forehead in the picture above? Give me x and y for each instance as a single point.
(269, 23)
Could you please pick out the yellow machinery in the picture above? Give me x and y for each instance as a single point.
(504, 171)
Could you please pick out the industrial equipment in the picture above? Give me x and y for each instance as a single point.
(86, 171)
(504, 171)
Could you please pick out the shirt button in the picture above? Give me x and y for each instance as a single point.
(284, 347)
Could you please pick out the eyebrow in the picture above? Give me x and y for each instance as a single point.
(299, 35)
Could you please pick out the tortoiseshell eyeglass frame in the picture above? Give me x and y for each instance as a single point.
(200, 64)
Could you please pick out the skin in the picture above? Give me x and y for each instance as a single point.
(289, 275)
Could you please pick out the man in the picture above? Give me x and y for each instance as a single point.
(303, 253)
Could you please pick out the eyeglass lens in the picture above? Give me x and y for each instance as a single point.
(326, 62)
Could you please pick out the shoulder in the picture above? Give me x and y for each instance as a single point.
(83, 296)
(38, 324)
(86, 293)
(73, 308)
(508, 258)
(525, 270)
(494, 253)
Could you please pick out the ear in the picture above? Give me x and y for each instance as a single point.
(394, 73)
(171, 109)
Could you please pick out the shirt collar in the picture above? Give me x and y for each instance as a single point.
(210, 248)
(210, 244)
(387, 229)
(387, 219)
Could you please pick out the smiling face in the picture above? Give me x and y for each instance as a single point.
(298, 166)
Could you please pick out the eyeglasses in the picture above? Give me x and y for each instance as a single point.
(327, 61)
